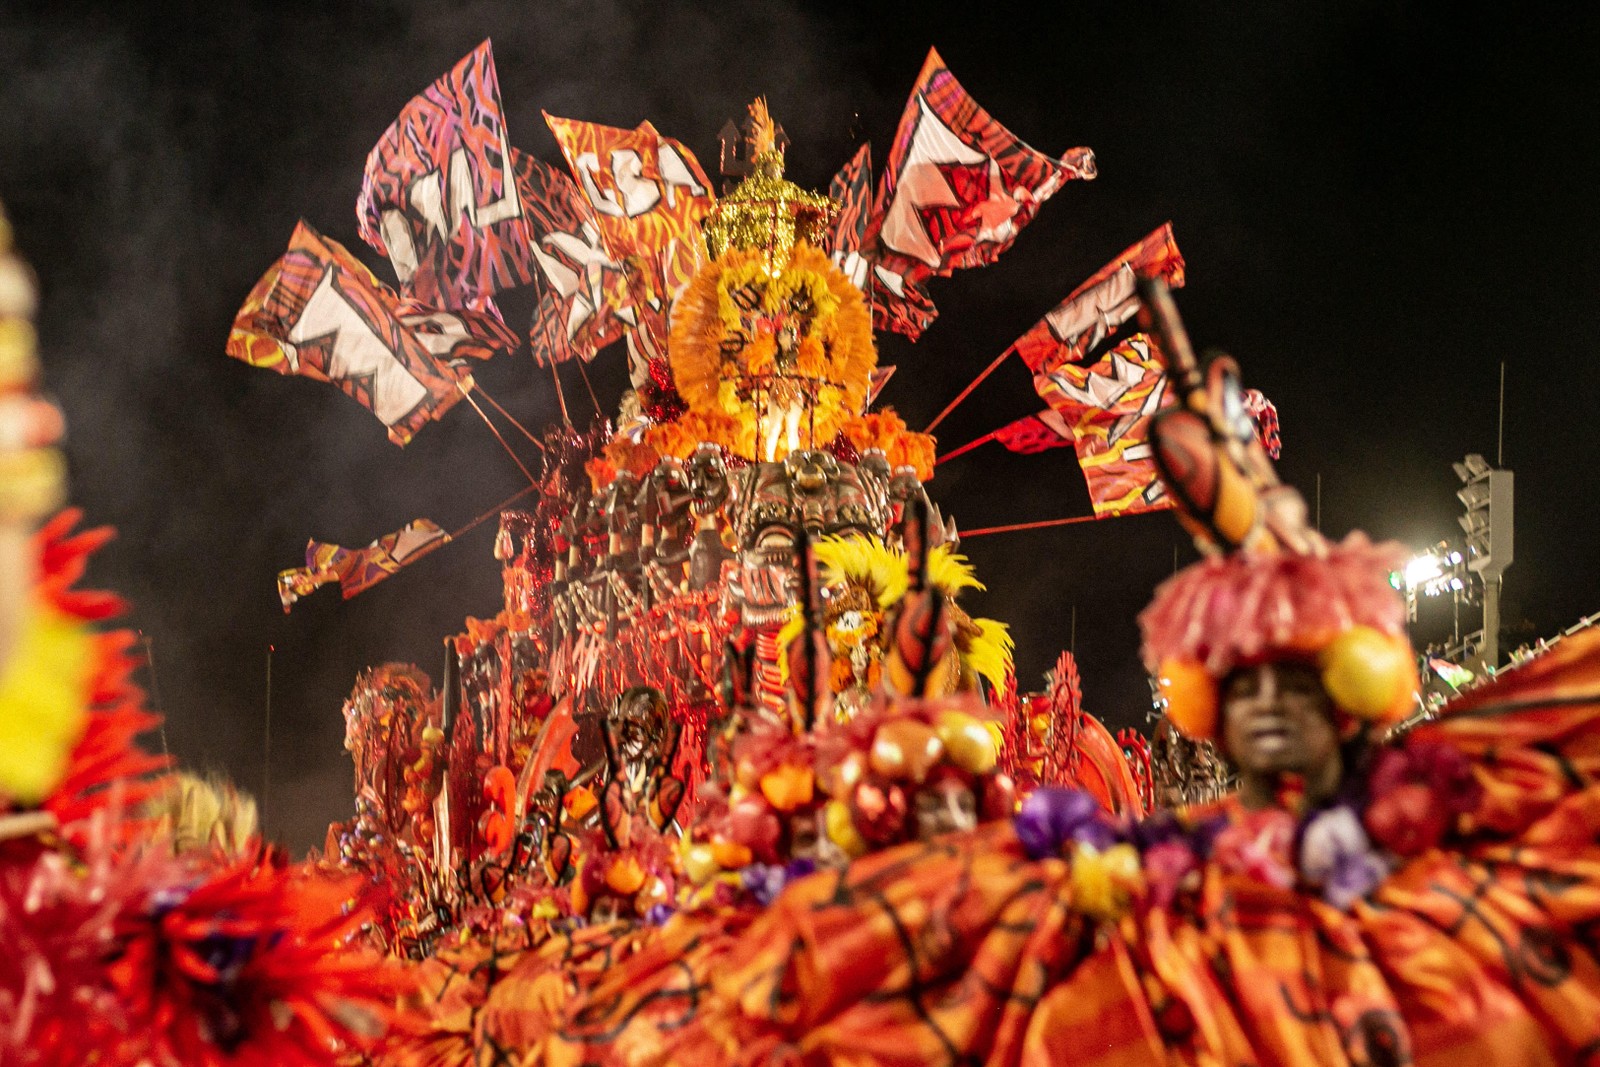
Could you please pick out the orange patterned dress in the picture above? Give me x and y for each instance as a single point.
(1483, 947)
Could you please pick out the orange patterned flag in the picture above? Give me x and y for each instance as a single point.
(359, 569)
(318, 313)
(649, 195)
(1107, 407)
(1098, 307)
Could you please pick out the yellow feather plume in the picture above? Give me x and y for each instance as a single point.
(43, 700)
(866, 562)
(206, 812)
(989, 654)
(763, 134)
(794, 624)
(950, 572)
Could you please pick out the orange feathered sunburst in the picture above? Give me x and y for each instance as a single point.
(787, 353)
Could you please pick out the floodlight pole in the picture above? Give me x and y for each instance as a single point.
(1490, 650)
(1487, 493)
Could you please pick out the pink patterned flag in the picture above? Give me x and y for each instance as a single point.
(439, 196)
(851, 189)
(649, 194)
(582, 288)
(1107, 408)
(1036, 433)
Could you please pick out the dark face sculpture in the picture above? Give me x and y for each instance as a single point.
(804, 835)
(1277, 720)
(639, 723)
(606, 909)
(705, 477)
(810, 492)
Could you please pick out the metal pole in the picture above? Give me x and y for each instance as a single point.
(1500, 435)
(1491, 623)
(155, 688)
(266, 746)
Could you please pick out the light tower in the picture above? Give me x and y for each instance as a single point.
(1486, 492)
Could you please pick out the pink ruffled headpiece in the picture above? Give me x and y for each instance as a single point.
(1241, 608)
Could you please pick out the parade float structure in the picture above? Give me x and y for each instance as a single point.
(748, 547)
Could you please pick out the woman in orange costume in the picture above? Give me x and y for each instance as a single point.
(1431, 900)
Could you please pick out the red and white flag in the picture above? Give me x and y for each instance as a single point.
(957, 189)
(1100, 306)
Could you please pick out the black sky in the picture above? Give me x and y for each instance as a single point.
(1378, 202)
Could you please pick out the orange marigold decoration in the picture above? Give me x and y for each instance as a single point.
(623, 453)
(681, 437)
(887, 432)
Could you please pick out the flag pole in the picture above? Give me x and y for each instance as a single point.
(155, 686)
(492, 429)
(266, 747)
(990, 369)
(985, 531)
(584, 374)
(534, 441)
(561, 398)
(968, 447)
(492, 512)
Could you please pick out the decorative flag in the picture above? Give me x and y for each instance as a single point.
(1036, 433)
(358, 569)
(649, 195)
(1107, 408)
(439, 196)
(1452, 674)
(1098, 307)
(851, 189)
(318, 313)
(1264, 414)
(580, 285)
(957, 189)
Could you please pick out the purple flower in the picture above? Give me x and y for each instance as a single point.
(1336, 853)
(1095, 833)
(1161, 827)
(764, 881)
(1204, 835)
(659, 914)
(1050, 816)
(799, 868)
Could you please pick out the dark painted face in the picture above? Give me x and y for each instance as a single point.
(1277, 719)
(639, 724)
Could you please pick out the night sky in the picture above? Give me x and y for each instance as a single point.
(1378, 202)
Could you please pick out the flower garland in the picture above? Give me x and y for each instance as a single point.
(1411, 799)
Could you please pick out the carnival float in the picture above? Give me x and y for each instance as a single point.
(732, 776)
